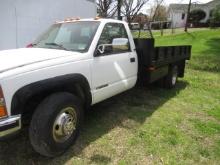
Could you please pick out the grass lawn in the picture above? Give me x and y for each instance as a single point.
(149, 125)
(157, 33)
(166, 32)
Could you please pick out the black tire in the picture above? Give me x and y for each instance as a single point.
(42, 130)
(171, 79)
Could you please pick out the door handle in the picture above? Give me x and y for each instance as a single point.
(132, 59)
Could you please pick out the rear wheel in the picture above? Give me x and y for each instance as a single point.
(55, 124)
(171, 79)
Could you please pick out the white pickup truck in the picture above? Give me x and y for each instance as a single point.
(73, 65)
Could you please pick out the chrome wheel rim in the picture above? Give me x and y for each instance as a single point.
(65, 124)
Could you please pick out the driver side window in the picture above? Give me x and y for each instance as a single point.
(110, 32)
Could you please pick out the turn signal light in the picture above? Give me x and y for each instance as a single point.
(72, 19)
(77, 18)
(3, 111)
(97, 18)
(29, 46)
(151, 68)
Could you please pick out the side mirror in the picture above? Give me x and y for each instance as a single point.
(120, 42)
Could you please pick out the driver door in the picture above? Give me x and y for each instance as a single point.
(110, 70)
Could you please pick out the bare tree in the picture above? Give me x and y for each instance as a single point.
(156, 9)
(142, 19)
(107, 8)
(131, 8)
(160, 14)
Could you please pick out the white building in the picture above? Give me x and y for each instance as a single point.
(22, 20)
(178, 12)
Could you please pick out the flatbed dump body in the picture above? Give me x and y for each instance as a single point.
(154, 62)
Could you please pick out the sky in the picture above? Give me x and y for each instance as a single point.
(185, 1)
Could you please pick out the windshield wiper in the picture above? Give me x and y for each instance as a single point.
(55, 44)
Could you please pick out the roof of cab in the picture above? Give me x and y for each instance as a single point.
(70, 20)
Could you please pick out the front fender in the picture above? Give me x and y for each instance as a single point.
(41, 89)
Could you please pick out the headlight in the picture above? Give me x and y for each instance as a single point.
(3, 110)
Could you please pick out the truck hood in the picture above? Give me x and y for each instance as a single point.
(10, 59)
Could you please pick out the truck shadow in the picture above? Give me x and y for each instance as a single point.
(136, 105)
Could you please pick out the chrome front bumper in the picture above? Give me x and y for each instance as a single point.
(10, 125)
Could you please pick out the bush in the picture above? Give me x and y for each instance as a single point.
(196, 16)
(215, 17)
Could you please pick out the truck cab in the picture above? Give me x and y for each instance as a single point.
(106, 44)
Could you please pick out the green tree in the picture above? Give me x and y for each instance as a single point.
(196, 16)
(215, 16)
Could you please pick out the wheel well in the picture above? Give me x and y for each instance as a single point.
(181, 67)
(28, 98)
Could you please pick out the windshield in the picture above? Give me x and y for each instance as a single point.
(75, 36)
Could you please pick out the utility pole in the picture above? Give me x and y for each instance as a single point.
(187, 18)
(119, 9)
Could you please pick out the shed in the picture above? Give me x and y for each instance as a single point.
(23, 20)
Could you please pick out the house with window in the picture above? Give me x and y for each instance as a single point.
(177, 13)
(23, 20)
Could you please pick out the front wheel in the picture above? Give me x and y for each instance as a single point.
(55, 124)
